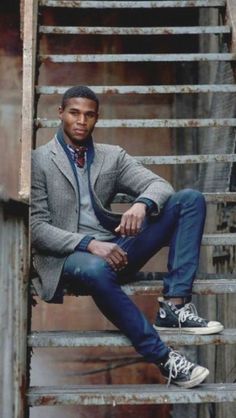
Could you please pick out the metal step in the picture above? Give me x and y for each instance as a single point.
(129, 394)
(192, 159)
(73, 58)
(164, 89)
(187, 159)
(147, 123)
(98, 30)
(200, 287)
(210, 197)
(115, 339)
(130, 4)
(154, 287)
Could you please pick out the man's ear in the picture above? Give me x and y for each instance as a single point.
(60, 112)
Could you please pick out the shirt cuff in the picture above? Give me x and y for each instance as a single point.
(151, 206)
(83, 244)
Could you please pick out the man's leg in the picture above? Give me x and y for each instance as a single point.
(180, 225)
(88, 274)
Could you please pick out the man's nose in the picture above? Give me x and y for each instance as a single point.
(81, 118)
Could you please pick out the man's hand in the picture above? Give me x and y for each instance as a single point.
(112, 253)
(132, 220)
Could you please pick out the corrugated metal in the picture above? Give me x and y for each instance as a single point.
(64, 58)
(165, 89)
(130, 394)
(131, 4)
(92, 30)
(115, 339)
(13, 308)
(147, 123)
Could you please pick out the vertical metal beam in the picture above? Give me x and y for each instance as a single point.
(13, 308)
(29, 58)
(231, 15)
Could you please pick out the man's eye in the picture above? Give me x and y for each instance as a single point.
(90, 115)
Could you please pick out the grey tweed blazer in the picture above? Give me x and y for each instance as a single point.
(55, 202)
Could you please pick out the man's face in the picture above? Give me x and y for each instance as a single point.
(78, 119)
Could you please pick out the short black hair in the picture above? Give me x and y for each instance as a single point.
(79, 91)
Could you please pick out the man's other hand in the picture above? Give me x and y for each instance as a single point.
(112, 253)
(132, 220)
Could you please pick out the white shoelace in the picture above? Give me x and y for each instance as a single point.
(188, 311)
(177, 363)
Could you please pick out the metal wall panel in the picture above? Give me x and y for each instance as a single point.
(13, 307)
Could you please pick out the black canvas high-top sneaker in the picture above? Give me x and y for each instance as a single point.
(185, 319)
(178, 370)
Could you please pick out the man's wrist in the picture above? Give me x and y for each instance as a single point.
(84, 243)
(151, 206)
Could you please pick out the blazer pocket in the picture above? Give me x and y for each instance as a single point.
(105, 187)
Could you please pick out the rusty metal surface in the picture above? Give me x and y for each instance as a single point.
(72, 58)
(219, 239)
(187, 159)
(200, 287)
(96, 30)
(28, 80)
(231, 18)
(115, 339)
(165, 89)
(131, 4)
(147, 123)
(130, 394)
(204, 286)
(210, 197)
(13, 307)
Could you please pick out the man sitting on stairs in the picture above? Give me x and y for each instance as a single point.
(79, 244)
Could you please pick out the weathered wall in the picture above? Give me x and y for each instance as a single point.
(10, 98)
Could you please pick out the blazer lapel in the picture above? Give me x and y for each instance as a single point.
(96, 166)
(60, 158)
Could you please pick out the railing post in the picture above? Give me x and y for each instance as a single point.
(13, 307)
(231, 17)
(29, 15)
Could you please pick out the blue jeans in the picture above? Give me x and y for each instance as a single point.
(179, 225)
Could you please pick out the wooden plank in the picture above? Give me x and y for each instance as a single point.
(28, 81)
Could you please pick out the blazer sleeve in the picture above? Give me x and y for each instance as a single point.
(45, 237)
(136, 180)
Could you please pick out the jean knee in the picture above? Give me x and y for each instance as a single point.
(96, 274)
(192, 196)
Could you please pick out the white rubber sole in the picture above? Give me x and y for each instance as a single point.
(197, 331)
(196, 381)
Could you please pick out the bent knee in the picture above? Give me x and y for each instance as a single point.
(96, 268)
(192, 196)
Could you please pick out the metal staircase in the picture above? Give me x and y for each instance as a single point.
(149, 283)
